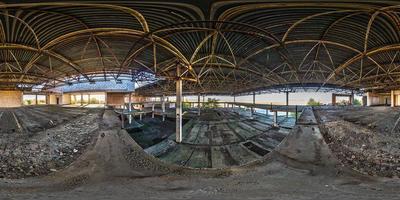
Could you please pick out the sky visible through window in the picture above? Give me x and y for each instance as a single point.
(297, 98)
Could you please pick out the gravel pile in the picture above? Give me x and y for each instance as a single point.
(362, 147)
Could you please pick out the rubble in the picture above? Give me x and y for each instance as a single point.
(32, 154)
(364, 147)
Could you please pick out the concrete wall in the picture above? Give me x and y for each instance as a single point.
(115, 98)
(374, 99)
(66, 99)
(395, 97)
(52, 99)
(10, 99)
(136, 98)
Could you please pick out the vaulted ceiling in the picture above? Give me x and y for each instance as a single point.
(219, 46)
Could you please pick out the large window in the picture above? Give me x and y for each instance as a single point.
(31, 99)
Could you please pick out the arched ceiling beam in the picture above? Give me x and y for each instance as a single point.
(127, 10)
(362, 55)
(47, 52)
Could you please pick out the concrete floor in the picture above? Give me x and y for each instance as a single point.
(301, 166)
(115, 167)
(31, 119)
(221, 138)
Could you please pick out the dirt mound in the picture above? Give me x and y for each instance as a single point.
(305, 145)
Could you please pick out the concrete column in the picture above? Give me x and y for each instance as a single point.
(130, 102)
(352, 98)
(198, 104)
(178, 107)
(392, 99)
(152, 111)
(105, 99)
(36, 99)
(275, 122)
(81, 99)
(163, 107)
(333, 99)
(369, 100)
(234, 101)
(287, 104)
(254, 102)
(88, 98)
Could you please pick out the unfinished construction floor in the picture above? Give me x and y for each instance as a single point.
(220, 138)
(332, 153)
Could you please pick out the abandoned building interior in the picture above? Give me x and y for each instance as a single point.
(184, 99)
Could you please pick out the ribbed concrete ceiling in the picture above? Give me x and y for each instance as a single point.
(221, 46)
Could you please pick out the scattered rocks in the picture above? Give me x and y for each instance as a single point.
(24, 155)
(361, 147)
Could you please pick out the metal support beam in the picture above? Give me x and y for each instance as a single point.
(36, 100)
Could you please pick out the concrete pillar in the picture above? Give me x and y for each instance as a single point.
(129, 107)
(275, 119)
(234, 101)
(81, 99)
(88, 99)
(178, 107)
(287, 104)
(163, 107)
(152, 111)
(105, 99)
(130, 102)
(352, 98)
(36, 99)
(369, 100)
(253, 107)
(392, 99)
(198, 104)
(333, 99)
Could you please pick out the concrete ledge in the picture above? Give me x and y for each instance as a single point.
(307, 117)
